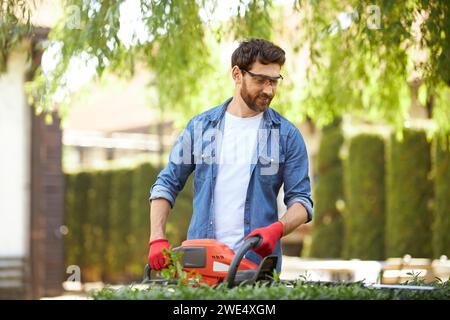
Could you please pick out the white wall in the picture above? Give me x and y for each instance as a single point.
(14, 160)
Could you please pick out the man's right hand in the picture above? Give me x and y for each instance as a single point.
(156, 258)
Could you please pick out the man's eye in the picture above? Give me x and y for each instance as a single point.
(260, 81)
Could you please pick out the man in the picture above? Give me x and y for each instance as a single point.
(241, 151)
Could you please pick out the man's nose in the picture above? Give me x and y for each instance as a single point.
(269, 89)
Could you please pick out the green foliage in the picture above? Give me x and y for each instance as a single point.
(177, 53)
(77, 208)
(441, 219)
(97, 226)
(436, 31)
(409, 191)
(359, 62)
(328, 227)
(175, 273)
(295, 290)
(107, 214)
(365, 54)
(88, 31)
(120, 222)
(364, 218)
(142, 177)
(70, 219)
(255, 22)
(441, 111)
(14, 27)
(174, 49)
(356, 68)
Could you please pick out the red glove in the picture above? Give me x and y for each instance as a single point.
(156, 258)
(270, 235)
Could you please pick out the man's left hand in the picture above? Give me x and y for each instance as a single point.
(270, 235)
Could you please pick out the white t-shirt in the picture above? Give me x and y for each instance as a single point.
(233, 175)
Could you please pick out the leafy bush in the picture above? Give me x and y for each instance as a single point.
(409, 191)
(364, 217)
(95, 225)
(294, 290)
(76, 209)
(327, 230)
(107, 214)
(71, 219)
(120, 222)
(182, 285)
(142, 178)
(441, 221)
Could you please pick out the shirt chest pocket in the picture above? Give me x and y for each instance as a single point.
(270, 169)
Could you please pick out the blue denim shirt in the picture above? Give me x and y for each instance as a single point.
(280, 159)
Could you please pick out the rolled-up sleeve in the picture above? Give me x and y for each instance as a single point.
(173, 177)
(297, 187)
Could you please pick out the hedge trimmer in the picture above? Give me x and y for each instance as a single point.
(215, 263)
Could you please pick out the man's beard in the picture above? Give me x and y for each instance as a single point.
(258, 102)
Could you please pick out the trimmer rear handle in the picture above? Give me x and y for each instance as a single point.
(248, 244)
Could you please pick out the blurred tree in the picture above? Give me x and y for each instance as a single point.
(364, 56)
(171, 44)
(14, 26)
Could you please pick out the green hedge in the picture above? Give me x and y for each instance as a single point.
(76, 216)
(276, 291)
(409, 191)
(140, 223)
(70, 219)
(327, 230)
(107, 212)
(441, 221)
(100, 204)
(107, 215)
(364, 216)
(120, 230)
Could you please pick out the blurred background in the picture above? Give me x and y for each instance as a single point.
(94, 93)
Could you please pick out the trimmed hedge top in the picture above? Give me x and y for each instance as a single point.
(296, 290)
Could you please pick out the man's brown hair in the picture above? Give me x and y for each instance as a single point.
(252, 50)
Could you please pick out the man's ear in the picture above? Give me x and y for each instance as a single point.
(236, 75)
